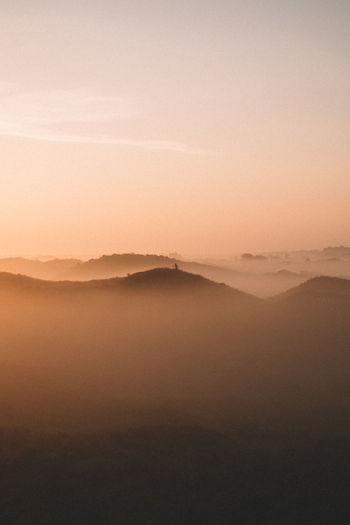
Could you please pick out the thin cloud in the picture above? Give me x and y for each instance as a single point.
(35, 115)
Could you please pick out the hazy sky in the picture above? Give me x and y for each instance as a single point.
(205, 127)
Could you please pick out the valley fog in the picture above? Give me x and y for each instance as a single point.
(90, 358)
(263, 275)
(152, 397)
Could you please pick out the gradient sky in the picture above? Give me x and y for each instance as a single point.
(204, 127)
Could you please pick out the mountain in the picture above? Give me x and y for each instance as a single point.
(51, 269)
(328, 289)
(174, 279)
(123, 264)
(261, 283)
(268, 284)
(117, 265)
(160, 281)
(324, 289)
(107, 266)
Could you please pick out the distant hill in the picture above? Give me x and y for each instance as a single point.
(268, 284)
(262, 282)
(339, 251)
(169, 280)
(52, 269)
(122, 264)
(318, 288)
(115, 265)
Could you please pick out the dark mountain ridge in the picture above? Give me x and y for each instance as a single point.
(168, 279)
(158, 288)
(261, 283)
(125, 263)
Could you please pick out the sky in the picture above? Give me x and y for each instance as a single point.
(201, 127)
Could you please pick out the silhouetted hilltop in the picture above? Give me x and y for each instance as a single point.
(164, 280)
(121, 264)
(107, 266)
(172, 280)
(168, 278)
(265, 281)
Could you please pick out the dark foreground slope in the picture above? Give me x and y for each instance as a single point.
(165, 398)
(174, 475)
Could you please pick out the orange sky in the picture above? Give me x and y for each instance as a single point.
(208, 128)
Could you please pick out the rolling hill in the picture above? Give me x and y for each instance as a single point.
(163, 381)
(261, 283)
(319, 289)
(158, 279)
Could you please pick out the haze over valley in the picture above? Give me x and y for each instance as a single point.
(262, 274)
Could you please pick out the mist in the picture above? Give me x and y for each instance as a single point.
(168, 359)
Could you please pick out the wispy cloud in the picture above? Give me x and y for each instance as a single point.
(37, 115)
